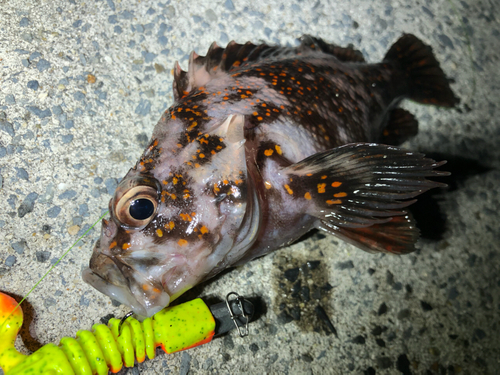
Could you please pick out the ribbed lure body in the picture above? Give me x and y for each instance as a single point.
(106, 348)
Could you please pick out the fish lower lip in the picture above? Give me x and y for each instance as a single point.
(120, 293)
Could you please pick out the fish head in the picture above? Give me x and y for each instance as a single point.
(180, 216)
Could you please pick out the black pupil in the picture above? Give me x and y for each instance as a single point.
(141, 209)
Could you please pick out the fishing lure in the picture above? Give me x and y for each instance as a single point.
(121, 342)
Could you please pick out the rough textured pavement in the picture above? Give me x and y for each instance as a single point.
(82, 85)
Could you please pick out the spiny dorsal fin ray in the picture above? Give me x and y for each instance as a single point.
(346, 54)
(204, 68)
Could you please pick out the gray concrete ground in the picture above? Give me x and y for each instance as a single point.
(82, 85)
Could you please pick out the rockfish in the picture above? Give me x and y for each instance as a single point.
(263, 144)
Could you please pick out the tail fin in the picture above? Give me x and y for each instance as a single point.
(428, 83)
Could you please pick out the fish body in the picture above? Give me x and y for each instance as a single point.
(262, 145)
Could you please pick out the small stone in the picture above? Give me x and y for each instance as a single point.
(306, 358)
(185, 363)
(143, 108)
(380, 343)
(7, 127)
(72, 230)
(42, 65)
(118, 29)
(163, 40)
(20, 246)
(57, 110)
(53, 212)
(77, 23)
(28, 205)
(10, 261)
(284, 318)
(84, 301)
(38, 112)
(453, 294)
(111, 4)
(10, 99)
(292, 274)
(228, 342)
(126, 15)
(403, 364)
(229, 5)
(159, 68)
(254, 348)
(478, 334)
(359, 340)
(425, 306)
(403, 314)
(24, 22)
(149, 56)
(377, 331)
(111, 184)
(22, 174)
(91, 78)
(67, 138)
(68, 194)
(69, 124)
(27, 37)
(42, 256)
(295, 312)
(79, 96)
(345, 265)
(382, 309)
(446, 41)
(33, 85)
(384, 362)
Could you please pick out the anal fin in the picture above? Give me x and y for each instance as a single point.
(397, 236)
(401, 126)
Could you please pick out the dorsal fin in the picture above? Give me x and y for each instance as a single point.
(346, 54)
(202, 69)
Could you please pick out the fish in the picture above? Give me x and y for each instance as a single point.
(263, 144)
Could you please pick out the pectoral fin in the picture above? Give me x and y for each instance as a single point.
(358, 192)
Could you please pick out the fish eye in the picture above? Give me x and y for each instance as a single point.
(137, 206)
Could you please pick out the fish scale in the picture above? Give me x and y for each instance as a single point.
(263, 144)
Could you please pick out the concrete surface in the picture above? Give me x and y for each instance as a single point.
(82, 85)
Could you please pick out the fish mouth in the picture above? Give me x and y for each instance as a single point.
(144, 300)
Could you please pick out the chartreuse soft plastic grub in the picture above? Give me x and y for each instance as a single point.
(110, 347)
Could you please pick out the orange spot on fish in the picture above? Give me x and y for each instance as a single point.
(340, 195)
(290, 191)
(203, 230)
(268, 185)
(159, 232)
(174, 180)
(278, 149)
(182, 242)
(321, 188)
(125, 246)
(268, 152)
(170, 225)
(112, 244)
(336, 183)
(307, 196)
(324, 177)
(330, 202)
